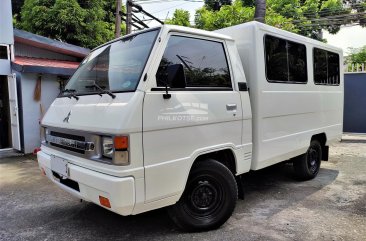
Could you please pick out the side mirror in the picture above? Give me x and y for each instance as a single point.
(171, 76)
(176, 77)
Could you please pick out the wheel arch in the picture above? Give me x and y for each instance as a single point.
(224, 156)
(322, 138)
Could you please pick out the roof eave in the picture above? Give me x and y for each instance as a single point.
(49, 44)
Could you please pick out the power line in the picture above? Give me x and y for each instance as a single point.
(331, 17)
(334, 22)
(318, 18)
(170, 7)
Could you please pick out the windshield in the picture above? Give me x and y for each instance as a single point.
(116, 67)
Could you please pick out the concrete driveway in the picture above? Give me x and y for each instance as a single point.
(330, 207)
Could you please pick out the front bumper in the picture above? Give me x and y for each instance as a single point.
(92, 185)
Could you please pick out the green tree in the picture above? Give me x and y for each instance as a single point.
(180, 17)
(85, 23)
(236, 13)
(216, 4)
(312, 16)
(228, 15)
(357, 55)
(306, 17)
(16, 6)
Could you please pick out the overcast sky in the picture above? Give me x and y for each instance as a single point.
(354, 36)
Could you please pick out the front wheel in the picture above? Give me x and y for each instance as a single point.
(307, 166)
(208, 199)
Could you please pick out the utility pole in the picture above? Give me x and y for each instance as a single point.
(118, 18)
(128, 16)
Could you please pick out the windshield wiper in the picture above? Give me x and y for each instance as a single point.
(68, 91)
(103, 91)
(71, 93)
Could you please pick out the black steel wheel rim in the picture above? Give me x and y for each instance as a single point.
(204, 197)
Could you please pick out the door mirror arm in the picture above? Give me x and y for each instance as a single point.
(166, 95)
(174, 77)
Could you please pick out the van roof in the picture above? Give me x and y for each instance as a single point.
(175, 28)
(216, 34)
(201, 32)
(284, 33)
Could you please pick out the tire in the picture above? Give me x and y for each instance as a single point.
(208, 199)
(307, 166)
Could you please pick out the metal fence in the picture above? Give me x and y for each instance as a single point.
(355, 68)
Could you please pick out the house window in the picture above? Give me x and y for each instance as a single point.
(326, 67)
(4, 52)
(204, 62)
(285, 61)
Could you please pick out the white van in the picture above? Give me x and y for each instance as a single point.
(172, 116)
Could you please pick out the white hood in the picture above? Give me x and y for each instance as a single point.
(97, 114)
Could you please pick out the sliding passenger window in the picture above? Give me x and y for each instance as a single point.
(204, 62)
(333, 68)
(276, 59)
(326, 67)
(297, 62)
(285, 61)
(320, 66)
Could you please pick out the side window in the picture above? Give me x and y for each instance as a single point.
(276, 59)
(298, 71)
(326, 67)
(285, 61)
(333, 68)
(204, 62)
(320, 66)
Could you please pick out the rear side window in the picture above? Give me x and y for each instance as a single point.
(326, 67)
(285, 61)
(204, 62)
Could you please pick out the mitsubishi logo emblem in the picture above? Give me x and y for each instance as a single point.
(67, 117)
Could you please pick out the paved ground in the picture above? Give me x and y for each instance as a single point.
(331, 207)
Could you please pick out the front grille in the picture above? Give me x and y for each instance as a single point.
(74, 142)
(69, 142)
(68, 148)
(67, 136)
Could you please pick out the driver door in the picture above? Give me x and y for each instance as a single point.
(203, 115)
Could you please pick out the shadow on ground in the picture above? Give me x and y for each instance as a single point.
(33, 208)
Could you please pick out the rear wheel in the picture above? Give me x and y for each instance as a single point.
(208, 199)
(307, 166)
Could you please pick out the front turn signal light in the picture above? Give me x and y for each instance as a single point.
(121, 142)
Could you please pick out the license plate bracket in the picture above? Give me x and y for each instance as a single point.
(59, 165)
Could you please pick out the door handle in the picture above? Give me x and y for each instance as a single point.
(231, 107)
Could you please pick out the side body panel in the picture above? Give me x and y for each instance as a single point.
(285, 116)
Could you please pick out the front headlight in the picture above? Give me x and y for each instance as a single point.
(107, 147)
(116, 148)
(43, 134)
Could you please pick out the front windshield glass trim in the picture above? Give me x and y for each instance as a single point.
(102, 73)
